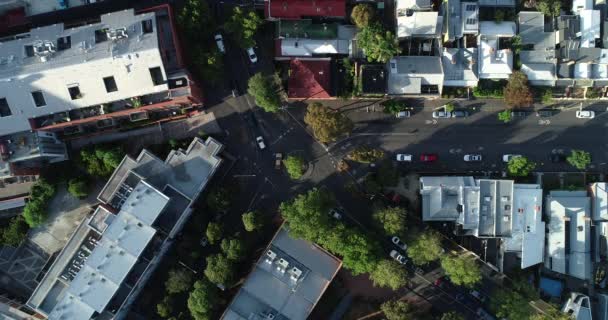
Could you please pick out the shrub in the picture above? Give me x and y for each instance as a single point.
(78, 187)
(365, 154)
(252, 221)
(34, 212)
(294, 166)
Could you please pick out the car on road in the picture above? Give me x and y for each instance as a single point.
(401, 157)
(251, 54)
(219, 40)
(403, 114)
(518, 113)
(278, 160)
(428, 157)
(442, 114)
(472, 157)
(557, 157)
(585, 114)
(478, 295)
(396, 241)
(508, 157)
(335, 214)
(398, 257)
(544, 113)
(260, 141)
(460, 114)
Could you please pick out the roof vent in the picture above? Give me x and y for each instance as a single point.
(282, 265)
(43, 49)
(270, 256)
(295, 273)
(117, 34)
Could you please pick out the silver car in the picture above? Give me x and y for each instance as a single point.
(472, 157)
(442, 114)
(395, 255)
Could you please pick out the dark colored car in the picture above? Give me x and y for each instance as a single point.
(428, 157)
(520, 113)
(460, 114)
(557, 158)
(544, 113)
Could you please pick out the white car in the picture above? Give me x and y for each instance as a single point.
(585, 114)
(251, 54)
(260, 142)
(472, 157)
(399, 243)
(508, 157)
(395, 255)
(220, 43)
(403, 114)
(336, 214)
(442, 114)
(404, 157)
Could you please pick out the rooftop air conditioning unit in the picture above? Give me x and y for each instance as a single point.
(270, 256)
(295, 273)
(282, 265)
(117, 34)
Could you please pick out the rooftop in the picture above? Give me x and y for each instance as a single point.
(495, 60)
(52, 69)
(459, 66)
(309, 79)
(306, 29)
(409, 73)
(287, 281)
(599, 196)
(418, 23)
(590, 27)
(373, 78)
(298, 9)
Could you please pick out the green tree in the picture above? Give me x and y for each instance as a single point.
(16, 231)
(389, 274)
(265, 90)
(505, 116)
(449, 107)
(252, 221)
(362, 15)
(365, 154)
(462, 270)
(327, 124)
(35, 209)
(396, 310)
(233, 248)
(393, 106)
(218, 199)
(378, 44)
(294, 166)
(510, 304)
(78, 187)
(452, 315)
(165, 307)
(549, 7)
(547, 97)
(392, 220)
(243, 25)
(214, 232)
(179, 280)
(307, 214)
(195, 19)
(101, 161)
(425, 248)
(208, 62)
(203, 300)
(520, 166)
(219, 270)
(359, 252)
(517, 92)
(579, 159)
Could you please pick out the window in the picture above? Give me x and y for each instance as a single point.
(29, 50)
(74, 92)
(146, 26)
(471, 21)
(157, 76)
(101, 36)
(470, 7)
(64, 43)
(5, 111)
(38, 99)
(110, 84)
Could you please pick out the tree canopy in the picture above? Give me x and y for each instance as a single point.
(550, 8)
(101, 161)
(203, 300)
(35, 209)
(392, 220)
(195, 19)
(505, 116)
(252, 221)
(265, 91)
(365, 154)
(243, 25)
(179, 280)
(78, 187)
(520, 166)
(396, 310)
(234, 248)
(220, 269)
(294, 166)
(214, 232)
(452, 315)
(461, 270)
(378, 44)
(389, 274)
(165, 307)
(208, 62)
(517, 92)
(426, 248)
(362, 15)
(14, 232)
(579, 159)
(327, 125)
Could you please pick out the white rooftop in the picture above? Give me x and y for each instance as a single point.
(310, 47)
(39, 62)
(494, 63)
(539, 71)
(590, 27)
(420, 23)
(578, 5)
(599, 191)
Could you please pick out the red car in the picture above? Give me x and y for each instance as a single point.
(428, 157)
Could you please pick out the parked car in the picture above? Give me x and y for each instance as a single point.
(478, 295)
(460, 114)
(472, 157)
(557, 157)
(484, 315)
(251, 54)
(403, 114)
(585, 114)
(335, 214)
(398, 257)
(442, 114)
(260, 142)
(278, 160)
(428, 157)
(204, 241)
(219, 40)
(399, 243)
(508, 157)
(404, 157)
(516, 113)
(544, 113)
